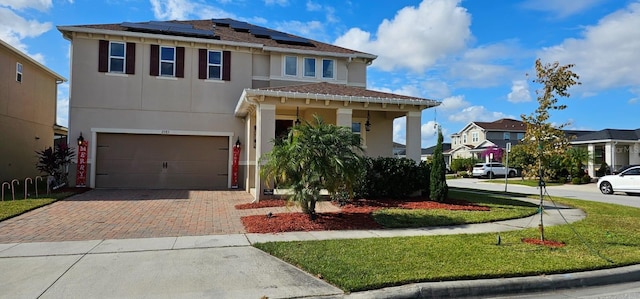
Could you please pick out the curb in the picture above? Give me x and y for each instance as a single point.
(504, 286)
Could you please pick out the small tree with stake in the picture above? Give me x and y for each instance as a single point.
(438, 181)
(54, 162)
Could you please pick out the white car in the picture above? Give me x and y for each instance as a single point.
(627, 181)
(492, 170)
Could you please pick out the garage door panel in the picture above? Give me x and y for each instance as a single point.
(161, 161)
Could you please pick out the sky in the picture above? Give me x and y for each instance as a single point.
(476, 57)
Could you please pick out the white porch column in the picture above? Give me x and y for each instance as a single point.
(266, 131)
(590, 167)
(344, 117)
(248, 148)
(414, 136)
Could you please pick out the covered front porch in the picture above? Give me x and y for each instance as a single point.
(269, 113)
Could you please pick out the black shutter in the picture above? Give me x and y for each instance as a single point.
(226, 65)
(154, 67)
(180, 62)
(202, 63)
(103, 56)
(131, 59)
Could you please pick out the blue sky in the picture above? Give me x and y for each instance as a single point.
(472, 55)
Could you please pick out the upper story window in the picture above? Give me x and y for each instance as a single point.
(328, 68)
(507, 136)
(19, 72)
(214, 65)
(309, 67)
(167, 61)
(520, 136)
(291, 66)
(116, 57)
(474, 137)
(464, 138)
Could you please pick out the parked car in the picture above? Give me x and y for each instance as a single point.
(623, 168)
(492, 170)
(627, 181)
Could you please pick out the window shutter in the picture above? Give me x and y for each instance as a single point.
(103, 56)
(180, 62)
(202, 63)
(154, 67)
(131, 59)
(226, 65)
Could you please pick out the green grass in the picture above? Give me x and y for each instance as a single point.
(11, 208)
(612, 231)
(501, 209)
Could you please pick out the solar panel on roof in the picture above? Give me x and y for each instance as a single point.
(224, 22)
(261, 32)
(170, 24)
(191, 31)
(145, 26)
(291, 40)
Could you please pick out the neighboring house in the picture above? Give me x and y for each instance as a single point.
(163, 103)
(426, 153)
(28, 96)
(614, 147)
(476, 137)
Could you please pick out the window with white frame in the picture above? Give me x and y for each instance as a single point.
(309, 67)
(507, 136)
(291, 66)
(117, 57)
(328, 66)
(19, 72)
(474, 137)
(464, 138)
(214, 65)
(357, 127)
(519, 136)
(167, 61)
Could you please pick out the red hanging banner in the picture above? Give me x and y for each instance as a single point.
(81, 167)
(235, 165)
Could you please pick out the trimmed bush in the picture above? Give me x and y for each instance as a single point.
(394, 178)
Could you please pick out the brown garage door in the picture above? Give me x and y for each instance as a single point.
(161, 161)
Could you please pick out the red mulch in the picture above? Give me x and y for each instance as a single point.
(547, 243)
(355, 215)
(262, 204)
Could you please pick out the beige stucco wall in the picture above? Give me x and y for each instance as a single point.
(27, 115)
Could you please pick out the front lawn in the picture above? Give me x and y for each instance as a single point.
(612, 233)
(11, 208)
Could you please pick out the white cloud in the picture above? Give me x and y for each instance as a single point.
(607, 54)
(41, 5)
(454, 103)
(633, 101)
(313, 6)
(186, 9)
(519, 92)
(277, 2)
(477, 113)
(436, 89)
(416, 37)
(311, 29)
(14, 28)
(486, 65)
(561, 8)
(399, 130)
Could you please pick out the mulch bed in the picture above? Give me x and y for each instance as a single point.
(269, 203)
(547, 243)
(355, 215)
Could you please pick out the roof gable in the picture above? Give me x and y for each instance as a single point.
(504, 124)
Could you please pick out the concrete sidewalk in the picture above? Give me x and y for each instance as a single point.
(226, 266)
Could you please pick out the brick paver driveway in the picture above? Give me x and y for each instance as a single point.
(122, 214)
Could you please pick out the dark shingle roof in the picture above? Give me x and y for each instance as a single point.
(504, 124)
(225, 33)
(611, 134)
(429, 150)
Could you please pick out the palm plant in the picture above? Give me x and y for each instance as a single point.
(313, 157)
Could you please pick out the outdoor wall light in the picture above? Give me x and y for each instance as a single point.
(367, 125)
(80, 140)
(238, 142)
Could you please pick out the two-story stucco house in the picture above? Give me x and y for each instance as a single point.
(163, 103)
(476, 137)
(28, 97)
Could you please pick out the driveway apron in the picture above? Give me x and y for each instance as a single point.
(125, 214)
